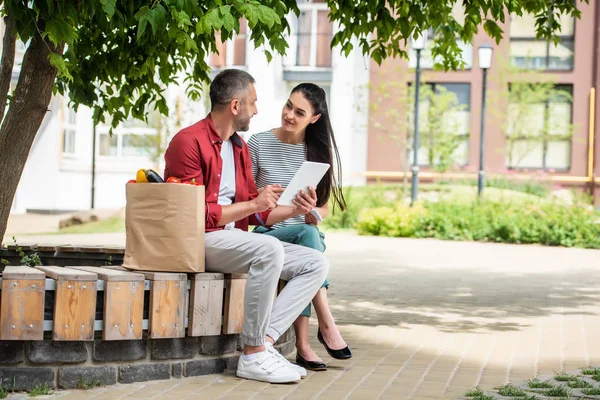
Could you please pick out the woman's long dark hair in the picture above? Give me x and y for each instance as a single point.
(321, 147)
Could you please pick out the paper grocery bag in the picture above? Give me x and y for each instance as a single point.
(164, 227)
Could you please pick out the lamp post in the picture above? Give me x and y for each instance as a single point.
(417, 44)
(93, 194)
(485, 61)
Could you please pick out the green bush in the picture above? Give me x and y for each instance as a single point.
(551, 224)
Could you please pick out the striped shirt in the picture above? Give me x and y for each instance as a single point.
(275, 162)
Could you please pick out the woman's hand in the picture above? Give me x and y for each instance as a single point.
(305, 202)
(310, 219)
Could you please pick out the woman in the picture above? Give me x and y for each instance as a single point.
(305, 134)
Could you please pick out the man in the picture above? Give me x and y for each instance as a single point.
(212, 153)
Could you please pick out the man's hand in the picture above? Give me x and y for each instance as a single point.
(305, 202)
(267, 197)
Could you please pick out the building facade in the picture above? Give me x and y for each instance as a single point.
(540, 107)
(58, 173)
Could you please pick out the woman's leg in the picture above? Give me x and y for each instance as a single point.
(310, 236)
(329, 330)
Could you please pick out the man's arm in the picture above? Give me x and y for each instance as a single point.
(266, 200)
(237, 211)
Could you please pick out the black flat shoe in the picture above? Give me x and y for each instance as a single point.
(312, 365)
(342, 354)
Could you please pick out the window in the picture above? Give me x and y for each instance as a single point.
(232, 52)
(128, 142)
(69, 128)
(444, 124)
(529, 53)
(311, 35)
(539, 127)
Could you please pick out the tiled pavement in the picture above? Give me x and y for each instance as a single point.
(428, 319)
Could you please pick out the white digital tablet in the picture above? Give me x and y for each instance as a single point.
(309, 174)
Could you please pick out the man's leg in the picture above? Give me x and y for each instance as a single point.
(262, 257)
(304, 270)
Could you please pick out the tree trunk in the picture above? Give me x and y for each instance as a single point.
(8, 61)
(27, 109)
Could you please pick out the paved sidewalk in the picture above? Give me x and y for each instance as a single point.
(428, 319)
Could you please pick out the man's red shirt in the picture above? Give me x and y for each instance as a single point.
(195, 152)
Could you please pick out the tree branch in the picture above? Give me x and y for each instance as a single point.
(8, 61)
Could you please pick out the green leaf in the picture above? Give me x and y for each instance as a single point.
(228, 22)
(109, 7)
(267, 16)
(59, 31)
(493, 30)
(252, 16)
(157, 16)
(268, 55)
(142, 17)
(58, 62)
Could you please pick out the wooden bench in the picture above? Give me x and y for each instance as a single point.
(207, 304)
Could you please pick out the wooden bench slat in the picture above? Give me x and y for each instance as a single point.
(75, 308)
(206, 304)
(91, 249)
(167, 308)
(114, 250)
(123, 310)
(49, 247)
(22, 272)
(67, 274)
(113, 275)
(233, 310)
(236, 276)
(162, 276)
(22, 304)
(68, 249)
(23, 246)
(207, 276)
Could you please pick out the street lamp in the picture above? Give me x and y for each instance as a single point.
(485, 61)
(417, 44)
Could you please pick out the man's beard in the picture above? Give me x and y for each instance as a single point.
(243, 123)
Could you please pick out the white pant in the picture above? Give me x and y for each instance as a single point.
(266, 260)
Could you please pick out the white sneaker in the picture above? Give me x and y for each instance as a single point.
(266, 367)
(301, 371)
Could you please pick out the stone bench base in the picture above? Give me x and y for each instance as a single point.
(79, 365)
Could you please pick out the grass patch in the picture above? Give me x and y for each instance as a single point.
(3, 392)
(474, 392)
(556, 391)
(591, 391)
(596, 377)
(510, 390)
(108, 225)
(40, 390)
(86, 384)
(565, 377)
(590, 371)
(579, 384)
(537, 384)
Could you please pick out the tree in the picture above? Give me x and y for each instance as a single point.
(118, 56)
(441, 127)
(533, 109)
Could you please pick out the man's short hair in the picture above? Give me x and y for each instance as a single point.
(227, 85)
